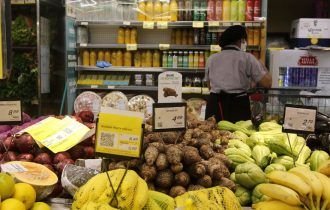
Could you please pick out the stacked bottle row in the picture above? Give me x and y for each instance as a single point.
(199, 10)
(127, 35)
(194, 37)
(147, 58)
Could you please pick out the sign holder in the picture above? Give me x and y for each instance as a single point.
(10, 112)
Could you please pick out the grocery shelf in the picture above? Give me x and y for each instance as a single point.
(176, 24)
(119, 87)
(140, 69)
(156, 46)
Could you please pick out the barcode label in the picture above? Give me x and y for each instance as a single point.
(107, 139)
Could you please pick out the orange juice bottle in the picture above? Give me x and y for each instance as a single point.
(107, 56)
(178, 37)
(157, 11)
(92, 58)
(156, 59)
(100, 55)
(137, 59)
(119, 58)
(133, 36)
(121, 36)
(143, 59)
(166, 16)
(148, 58)
(127, 35)
(174, 10)
(226, 10)
(114, 58)
(149, 10)
(85, 58)
(141, 11)
(127, 58)
(256, 36)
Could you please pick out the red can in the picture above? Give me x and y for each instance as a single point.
(249, 10)
(256, 9)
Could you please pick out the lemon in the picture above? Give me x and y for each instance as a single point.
(25, 193)
(40, 206)
(12, 204)
(6, 186)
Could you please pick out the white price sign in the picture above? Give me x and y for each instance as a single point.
(299, 119)
(10, 112)
(170, 116)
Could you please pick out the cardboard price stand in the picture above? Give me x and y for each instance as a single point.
(10, 112)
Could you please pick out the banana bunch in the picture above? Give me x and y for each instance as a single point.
(159, 201)
(132, 194)
(299, 188)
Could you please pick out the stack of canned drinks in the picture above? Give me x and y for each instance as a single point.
(298, 77)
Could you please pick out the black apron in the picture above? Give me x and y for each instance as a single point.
(232, 107)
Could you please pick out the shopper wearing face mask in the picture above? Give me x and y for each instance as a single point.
(229, 74)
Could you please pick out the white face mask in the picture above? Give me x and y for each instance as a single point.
(243, 45)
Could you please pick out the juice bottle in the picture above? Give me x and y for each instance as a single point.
(149, 10)
(137, 59)
(196, 37)
(210, 10)
(174, 10)
(166, 16)
(196, 59)
(256, 9)
(133, 36)
(100, 55)
(208, 38)
(180, 11)
(157, 10)
(156, 59)
(141, 11)
(127, 35)
(256, 36)
(92, 58)
(250, 34)
(185, 60)
(148, 58)
(178, 36)
(143, 59)
(173, 35)
(218, 10)
(107, 56)
(234, 10)
(180, 59)
(226, 10)
(121, 36)
(188, 10)
(191, 59)
(164, 59)
(114, 58)
(190, 37)
(249, 10)
(196, 9)
(127, 58)
(202, 36)
(241, 10)
(174, 60)
(119, 58)
(201, 60)
(170, 60)
(184, 37)
(85, 58)
(203, 8)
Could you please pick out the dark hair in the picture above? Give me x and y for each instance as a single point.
(232, 34)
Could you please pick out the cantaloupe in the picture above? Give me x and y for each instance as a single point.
(40, 177)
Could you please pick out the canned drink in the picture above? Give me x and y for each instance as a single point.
(286, 79)
(291, 78)
(302, 77)
(314, 77)
(296, 76)
(281, 80)
(307, 77)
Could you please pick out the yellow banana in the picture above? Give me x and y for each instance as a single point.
(164, 201)
(311, 180)
(279, 192)
(326, 190)
(140, 197)
(151, 205)
(274, 205)
(290, 180)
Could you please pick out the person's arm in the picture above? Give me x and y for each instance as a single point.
(259, 73)
(266, 81)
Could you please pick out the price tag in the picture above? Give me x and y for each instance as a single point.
(148, 25)
(10, 112)
(226, 24)
(126, 23)
(299, 119)
(30, 1)
(111, 87)
(84, 23)
(119, 133)
(164, 46)
(256, 24)
(237, 23)
(215, 48)
(169, 116)
(94, 86)
(17, 1)
(214, 23)
(162, 25)
(198, 24)
(248, 24)
(13, 168)
(83, 44)
(131, 47)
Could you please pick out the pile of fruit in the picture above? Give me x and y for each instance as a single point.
(18, 196)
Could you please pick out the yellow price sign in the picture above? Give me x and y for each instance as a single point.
(215, 48)
(198, 24)
(162, 25)
(148, 25)
(164, 46)
(131, 47)
(214, 23)
(119, 133)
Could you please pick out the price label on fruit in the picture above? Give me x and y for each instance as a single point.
(198, 24)
(162, 25)
(10, 112)
(169, 116)
(148, 25)
(215, 48)
(119, 133)
(214, 23)
(131, 47)
(164, 46)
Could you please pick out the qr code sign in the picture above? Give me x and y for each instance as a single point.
(107, 139)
